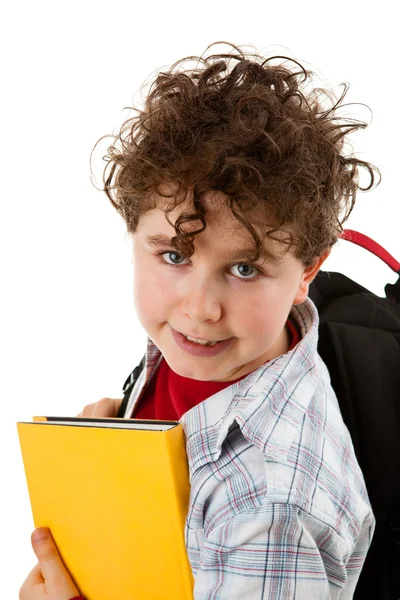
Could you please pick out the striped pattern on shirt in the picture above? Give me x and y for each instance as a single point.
(278, 506)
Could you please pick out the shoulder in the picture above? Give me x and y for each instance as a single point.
(315, 474)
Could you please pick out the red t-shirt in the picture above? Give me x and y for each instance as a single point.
(169, 395)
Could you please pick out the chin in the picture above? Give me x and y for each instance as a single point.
(189, 373)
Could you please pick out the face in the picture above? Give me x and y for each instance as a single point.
(215, 295)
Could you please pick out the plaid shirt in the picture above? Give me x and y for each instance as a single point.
(278, 506)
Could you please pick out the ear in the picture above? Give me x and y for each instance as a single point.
(307, 277)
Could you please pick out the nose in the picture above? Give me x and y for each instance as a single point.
(201, 300)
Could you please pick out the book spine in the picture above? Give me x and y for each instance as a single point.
(178, 466)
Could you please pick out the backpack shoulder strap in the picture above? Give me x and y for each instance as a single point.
(128, 386)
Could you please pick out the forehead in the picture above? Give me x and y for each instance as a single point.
(225, 232)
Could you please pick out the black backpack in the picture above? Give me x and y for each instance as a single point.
(359, 341)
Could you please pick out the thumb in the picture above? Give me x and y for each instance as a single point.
(53, 570)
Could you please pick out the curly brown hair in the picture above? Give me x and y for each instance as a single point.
(251, 127)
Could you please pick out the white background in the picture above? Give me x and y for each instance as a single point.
(68, 331)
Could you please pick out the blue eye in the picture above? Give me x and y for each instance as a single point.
(175, 254)
(244, 268)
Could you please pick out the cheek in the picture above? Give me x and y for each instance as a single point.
(251, 320)
(150, 293)
(259, 325)
(142, 291)
(264, 314)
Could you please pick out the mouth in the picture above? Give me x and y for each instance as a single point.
(201, 342)
(199, 347)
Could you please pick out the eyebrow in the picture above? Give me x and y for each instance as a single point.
(161, 241)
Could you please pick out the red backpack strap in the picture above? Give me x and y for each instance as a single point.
(392, 290)
(366, 242)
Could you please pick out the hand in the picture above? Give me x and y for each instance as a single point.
(106, 407)
(49, 580)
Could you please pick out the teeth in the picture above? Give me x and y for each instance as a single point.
(201, 342)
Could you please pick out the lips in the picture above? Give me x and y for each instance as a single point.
(200, 350)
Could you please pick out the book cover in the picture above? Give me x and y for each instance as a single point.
(115, 494)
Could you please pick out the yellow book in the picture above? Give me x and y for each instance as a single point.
(115, 494)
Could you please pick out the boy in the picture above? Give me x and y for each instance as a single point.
(234, 184)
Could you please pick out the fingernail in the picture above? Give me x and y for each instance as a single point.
(40, 534)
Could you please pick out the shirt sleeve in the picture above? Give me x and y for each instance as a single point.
(278, 552)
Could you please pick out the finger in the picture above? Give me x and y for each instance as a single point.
(87, 411)
(57, 580)
(106, 407)
(31, 584)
